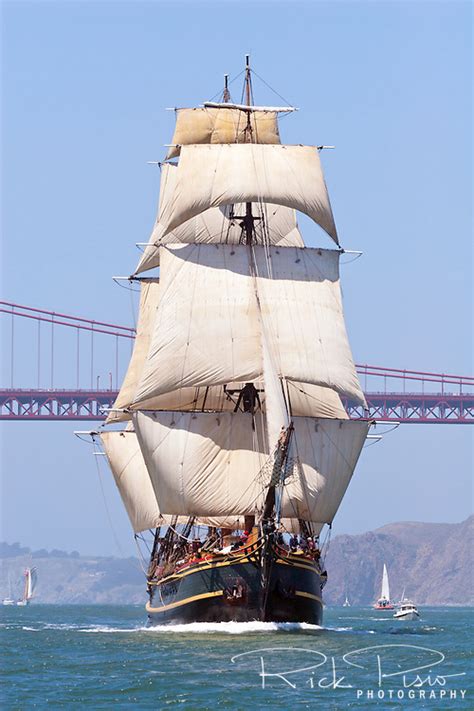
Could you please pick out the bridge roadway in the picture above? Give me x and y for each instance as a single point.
(54, 405)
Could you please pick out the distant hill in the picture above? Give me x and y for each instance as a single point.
(66, 578)
(432, 561)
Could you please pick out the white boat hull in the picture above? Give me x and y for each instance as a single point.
(412, 615)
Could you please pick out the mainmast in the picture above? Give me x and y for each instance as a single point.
(249, 219)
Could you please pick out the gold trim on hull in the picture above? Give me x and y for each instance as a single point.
(197, 568)
(216, 593)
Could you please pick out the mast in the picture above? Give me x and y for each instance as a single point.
(249, 219)
(226, 92)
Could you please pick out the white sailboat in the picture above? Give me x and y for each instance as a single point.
(9, 600)
(383, 603)
(346, 602)
(28, 590)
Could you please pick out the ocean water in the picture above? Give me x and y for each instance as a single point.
(101, 657)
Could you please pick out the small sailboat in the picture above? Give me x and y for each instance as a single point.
(346, 602)
(9, 600)
(28, 590)
(383, 603)
(406, 610)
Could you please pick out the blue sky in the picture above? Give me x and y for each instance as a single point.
(84, 87)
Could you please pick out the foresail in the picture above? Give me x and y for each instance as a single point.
(132, 479)
(222, 125)
(325, 455)
(209, 465)
(213, 175)
(135, 485)
(208, 332)
(203, 464)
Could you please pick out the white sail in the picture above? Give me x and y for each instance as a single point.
(213, 175)
(325, 455)
(132, 479)
(31, 580)
(275, 225)
(222, 125)
(136, 489)
(204, 464)
(385, 594)
(309, 400)
(148, 302)
(207, 327)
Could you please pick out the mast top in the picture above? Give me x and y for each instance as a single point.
(248, 81)
(226, 92)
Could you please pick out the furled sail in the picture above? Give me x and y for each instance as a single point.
(207, 328)
(205, 464)
(275, 224)
(213, 175)
(222, 125)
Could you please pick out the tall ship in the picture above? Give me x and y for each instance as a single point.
(229, 440)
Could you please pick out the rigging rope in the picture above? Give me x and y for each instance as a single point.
(97, 454)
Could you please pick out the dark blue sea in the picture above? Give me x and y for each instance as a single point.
(69, 657)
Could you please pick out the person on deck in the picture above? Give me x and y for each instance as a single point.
(244, 538)
(294, 543)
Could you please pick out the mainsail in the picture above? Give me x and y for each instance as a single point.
(385, 594)
(207, 464)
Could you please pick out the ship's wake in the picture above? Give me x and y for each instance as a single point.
(205, 628)
(219, 628)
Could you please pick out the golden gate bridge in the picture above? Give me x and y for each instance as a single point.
(86, 356)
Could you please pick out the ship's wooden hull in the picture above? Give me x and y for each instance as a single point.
(231, 590)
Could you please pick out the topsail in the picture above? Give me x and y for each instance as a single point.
(208, 297)
(213, 175)
(276, 224)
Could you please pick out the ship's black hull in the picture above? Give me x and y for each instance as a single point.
(232, 590)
